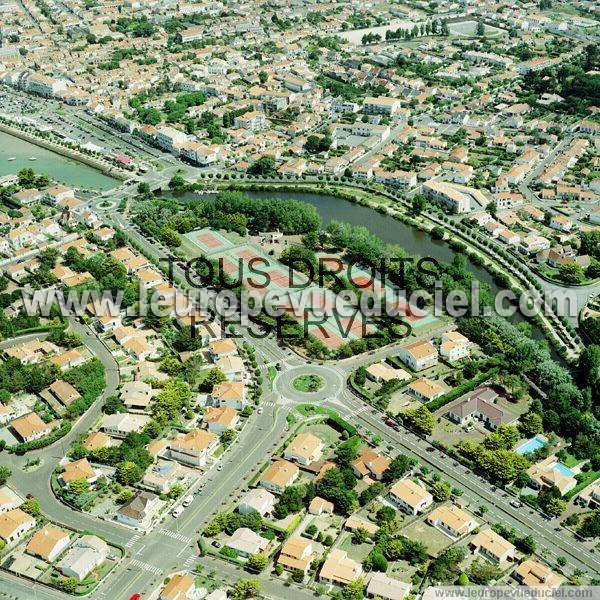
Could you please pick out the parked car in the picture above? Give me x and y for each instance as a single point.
(187, 500)
(216, 544)
(177, 512)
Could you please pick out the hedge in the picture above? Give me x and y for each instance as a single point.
(459, 390)
(42, 442)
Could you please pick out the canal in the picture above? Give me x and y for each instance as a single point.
(17, 154)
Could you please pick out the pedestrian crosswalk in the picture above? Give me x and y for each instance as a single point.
(132, 540)
(176, 536)
(189, 561)
(146, 567)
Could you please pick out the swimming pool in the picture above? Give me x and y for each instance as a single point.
(531, 445)
(562, 469)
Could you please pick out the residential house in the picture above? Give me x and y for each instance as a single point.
(139, 511)
(418, 355)
(453, 521)
(78, 469)
(245, 542)
(48, 543)
(492, 546)
(370, 464)
(179, 587)
(550, 473)
(64, 392)
(386, 588)
(120, 424)
(296, 553)
(86, 554)
(162, 476)
(410, 497)
(480, 406)
(30, 427)
(425, 389)
(256, 499)
(534, 574)
(14, 524)
(278, 476)
(219, 418)
(232, 367)
(340, 569)
(223, 347)
(305, 449)
(193, 447)
(454, 346)
(319, 505)
(229, 393)
(381, 372)
(95, 440)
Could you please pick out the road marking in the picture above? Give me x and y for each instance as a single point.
(176, 536)
(146, 567)
(132, 540)
(189, 561)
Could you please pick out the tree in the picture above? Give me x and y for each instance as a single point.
(347, 451)
(480, 32)
(143, 188)
(227, 437)
(5, 473)
(420, 419)
(526, 544)
(397, 468)
(354, 590)
(265, 165)
(385, 514)
(245, 588)
(419, 202)
(69, 585)
(32, 507)
(441, 491)
(128, 473)
(591, 525)
(360, 535)
(530, 424)
(263, 76)
(257, 562)
(378, 562)
(571, 273)
(79, 486)
(370, 493)
(482, 572)
(213, 377)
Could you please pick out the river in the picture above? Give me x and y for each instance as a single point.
(57, 167)
(390, 230)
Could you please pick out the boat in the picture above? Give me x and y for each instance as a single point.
(12, 158)
(33, 158)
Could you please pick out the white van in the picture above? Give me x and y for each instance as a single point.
(187, 501)
(178, 511)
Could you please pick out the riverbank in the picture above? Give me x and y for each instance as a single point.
(109, 170)
(497, 267)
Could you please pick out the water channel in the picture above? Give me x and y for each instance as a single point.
(17, 154)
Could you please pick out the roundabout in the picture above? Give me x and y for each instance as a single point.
(309, 383)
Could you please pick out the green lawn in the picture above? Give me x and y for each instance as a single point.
(308, 383)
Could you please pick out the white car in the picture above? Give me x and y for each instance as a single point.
(178, 511)
(187, 501)
(260, 410)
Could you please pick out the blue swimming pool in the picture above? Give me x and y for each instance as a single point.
(562, 469)
(531, 445)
